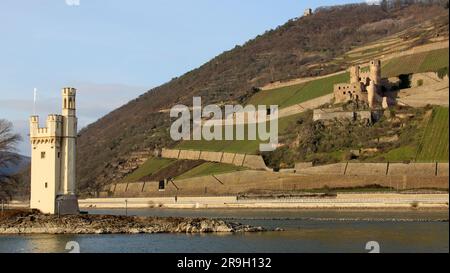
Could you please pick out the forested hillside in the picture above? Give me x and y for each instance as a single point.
(305, 46)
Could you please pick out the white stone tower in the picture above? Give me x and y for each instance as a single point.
(53, 155)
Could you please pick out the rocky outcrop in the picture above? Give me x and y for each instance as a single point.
(35, 223)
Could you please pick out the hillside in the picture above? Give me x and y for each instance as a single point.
(303, 47)
(434, 143)
(22, 162)
(19, 184)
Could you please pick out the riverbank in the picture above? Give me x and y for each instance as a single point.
(343, 201)
(28, 222)
(340, 201)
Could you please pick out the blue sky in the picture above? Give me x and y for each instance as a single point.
(115, 50)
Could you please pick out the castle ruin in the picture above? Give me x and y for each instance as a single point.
(365, 85)
(307, 12)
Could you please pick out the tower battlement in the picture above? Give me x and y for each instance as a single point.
(53, 127)
(70, 91)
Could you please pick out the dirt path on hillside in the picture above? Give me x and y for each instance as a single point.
(436, 94)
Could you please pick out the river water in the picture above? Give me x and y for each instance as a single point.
(305, 231)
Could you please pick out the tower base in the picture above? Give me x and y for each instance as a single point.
(67, 204)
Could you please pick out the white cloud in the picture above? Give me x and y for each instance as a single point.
(373, 2)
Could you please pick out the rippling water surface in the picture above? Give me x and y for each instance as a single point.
(305, 231)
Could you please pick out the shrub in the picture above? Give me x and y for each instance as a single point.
(442, 72)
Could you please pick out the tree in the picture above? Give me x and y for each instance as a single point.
(384, 5)
(8, 158)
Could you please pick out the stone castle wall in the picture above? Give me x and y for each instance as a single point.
(319, 114)
(382, 169)
(341, 175)
(254, 162)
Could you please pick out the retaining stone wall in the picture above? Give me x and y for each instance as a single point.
(257, 181)
(255, 162)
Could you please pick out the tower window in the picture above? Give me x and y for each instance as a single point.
(42, 154)
(46, 185)
(59, 154)
(161, 186)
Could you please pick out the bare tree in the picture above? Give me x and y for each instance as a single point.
(8, 157)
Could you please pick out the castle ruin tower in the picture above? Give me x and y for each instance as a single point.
(375, 82)
(307, 12)
(354, 74)
(375, 71)
(53, 149)
(371, 95)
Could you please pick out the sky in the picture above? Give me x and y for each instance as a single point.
(115, 50)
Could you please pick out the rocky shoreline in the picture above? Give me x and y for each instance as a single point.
(36, 223)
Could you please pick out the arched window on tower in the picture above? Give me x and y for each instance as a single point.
(70, 103)
(65, 103)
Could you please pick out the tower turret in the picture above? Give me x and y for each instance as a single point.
(69, 135)
(375, 71)
(34, 125)
(354, 74)
(371, 94)
(68, 103)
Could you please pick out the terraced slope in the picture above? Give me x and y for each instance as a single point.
(430, 61)
(291, 95)
(434, 145)
(303, 47)
(150, 167)
(295, 94)
(430, 150)
(430, 141)
(236, 146)
(210, 168)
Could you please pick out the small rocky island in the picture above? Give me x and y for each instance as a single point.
(32, 222)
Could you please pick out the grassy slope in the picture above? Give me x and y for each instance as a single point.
(401, 154)
(210, 168)
(434, 146)
(433, 140)
(284, 97)
(149, 167)
(421, 62)
(291, 95)
(235, 146)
